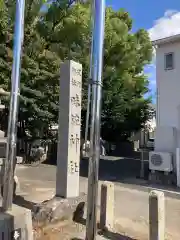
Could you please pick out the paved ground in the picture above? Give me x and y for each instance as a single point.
(131, 201)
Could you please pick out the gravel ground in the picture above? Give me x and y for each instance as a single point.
(131, 205)
(74, 231)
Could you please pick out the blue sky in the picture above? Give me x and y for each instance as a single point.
(160, 17)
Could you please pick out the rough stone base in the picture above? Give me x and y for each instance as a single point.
(58, 209)
(16, 224)
(164, 178)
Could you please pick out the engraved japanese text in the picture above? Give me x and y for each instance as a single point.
(76, 100)
(75, 118)
(76, 83)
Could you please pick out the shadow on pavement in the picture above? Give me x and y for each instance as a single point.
(20, 201)
(125, 170)
(110, 236)
(115, 236)
(116, 169)
(119, 170)
(105, 234)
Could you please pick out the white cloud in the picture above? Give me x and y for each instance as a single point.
(166, 26)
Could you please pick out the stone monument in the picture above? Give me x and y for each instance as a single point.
(68, 153)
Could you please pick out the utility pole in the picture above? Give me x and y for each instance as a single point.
(8, 185)
(97, 66)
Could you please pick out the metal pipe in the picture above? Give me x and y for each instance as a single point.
(87, 116)
(97, 54)
(8, 187)
(90, 81)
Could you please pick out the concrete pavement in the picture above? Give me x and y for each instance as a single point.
(131, 201)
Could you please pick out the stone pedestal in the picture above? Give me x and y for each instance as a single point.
(68, 155)
(16, 224)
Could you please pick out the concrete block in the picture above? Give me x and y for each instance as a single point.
(107, 206)
(2, 134)
(19, 159)
(16, 224)
(156, 215)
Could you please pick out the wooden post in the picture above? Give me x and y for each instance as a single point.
(156, 215)
(107, 206)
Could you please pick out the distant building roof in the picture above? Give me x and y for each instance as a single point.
(3, 92)
(2, 106)
(170, 39)
(152, 107)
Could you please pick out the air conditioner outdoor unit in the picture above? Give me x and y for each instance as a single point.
(160, 161)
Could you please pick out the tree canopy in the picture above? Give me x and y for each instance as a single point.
(60, 30)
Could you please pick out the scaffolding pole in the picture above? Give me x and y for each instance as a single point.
(8, 184)
(97, 60)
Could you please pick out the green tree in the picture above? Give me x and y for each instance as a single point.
(60, 30)
(39, 72)
(124, 109)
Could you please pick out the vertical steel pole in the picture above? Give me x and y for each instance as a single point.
(90, 80)
(142, 164)
(97, 54)
(10, 162)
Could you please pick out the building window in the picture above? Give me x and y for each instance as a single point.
(169, 61)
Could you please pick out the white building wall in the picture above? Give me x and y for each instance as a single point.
(168, 86)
